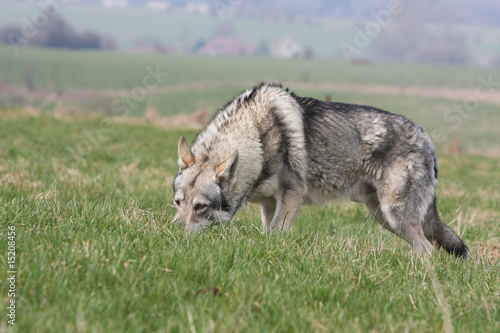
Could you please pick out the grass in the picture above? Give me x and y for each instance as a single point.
(96, 252)
(105, 83)
(66, 70)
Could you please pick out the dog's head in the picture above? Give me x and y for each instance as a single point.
(202, 190)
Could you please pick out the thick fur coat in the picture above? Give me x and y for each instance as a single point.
(280, 150)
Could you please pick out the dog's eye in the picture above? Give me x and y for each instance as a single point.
(177, 202)
(199, 207)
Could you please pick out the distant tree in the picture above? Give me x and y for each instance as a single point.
(87, 40)
(12, 35)
(262, 48)
(56, 33)
(198, 45)
(308, 53)
(407, 38)
(445, 48)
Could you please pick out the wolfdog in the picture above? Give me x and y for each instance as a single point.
(272, 147)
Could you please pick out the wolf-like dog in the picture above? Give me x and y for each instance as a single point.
(281, 151)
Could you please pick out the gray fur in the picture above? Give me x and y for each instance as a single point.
(274, 148)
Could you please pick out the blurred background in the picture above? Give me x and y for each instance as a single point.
(173, 63)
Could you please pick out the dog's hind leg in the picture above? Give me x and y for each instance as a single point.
(399, 205)
(405, 222)
(287, 206)
(410, 232)
(407, 226)
(373, 206)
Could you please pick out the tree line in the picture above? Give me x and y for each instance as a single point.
(54, 32)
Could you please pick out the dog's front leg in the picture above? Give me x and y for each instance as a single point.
(267, 210)
(288, 205)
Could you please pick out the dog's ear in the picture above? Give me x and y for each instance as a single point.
(227, 169)
(186, 157)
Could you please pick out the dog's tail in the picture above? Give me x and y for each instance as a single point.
(438, 232)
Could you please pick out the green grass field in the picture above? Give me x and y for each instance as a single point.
(95, 251)
(66, 70)
(89, 194)
(91, 82)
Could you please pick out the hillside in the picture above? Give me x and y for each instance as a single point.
(442, 99)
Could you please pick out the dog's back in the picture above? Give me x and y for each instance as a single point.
(348, 144)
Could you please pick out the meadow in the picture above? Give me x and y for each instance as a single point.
(442, 99)
(90, 197)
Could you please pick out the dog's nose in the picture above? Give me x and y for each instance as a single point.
(176, 220)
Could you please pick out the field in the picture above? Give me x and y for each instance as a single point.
(89, 194)
(444, 100)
